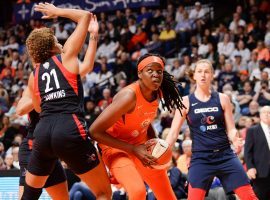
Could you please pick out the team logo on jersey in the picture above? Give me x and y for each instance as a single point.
(46, 65)
(208, 120)
(206, 110)
(135, 133)
(91, 158)
(208, 123)
(145, 123)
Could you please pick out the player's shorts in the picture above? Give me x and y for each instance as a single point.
(223, 164)
(63, 136)
(57, 176)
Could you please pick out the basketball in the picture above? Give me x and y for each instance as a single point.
(159, 149)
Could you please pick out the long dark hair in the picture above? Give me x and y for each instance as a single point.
(169, 94)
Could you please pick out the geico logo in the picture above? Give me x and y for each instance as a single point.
(205, 110)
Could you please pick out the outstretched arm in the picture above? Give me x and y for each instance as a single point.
(75, 42)
(177, 122)
(89, 58)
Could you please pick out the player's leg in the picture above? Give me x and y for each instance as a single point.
(98, 181)
(245, 192)
(157, 180)
(41, 163)
(74, 147)
(200, 175)
(56, 184)
(125, 172)
(233, 176)
(24, 155)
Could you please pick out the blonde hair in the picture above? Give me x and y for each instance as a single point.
(190, 72)
(40, 44)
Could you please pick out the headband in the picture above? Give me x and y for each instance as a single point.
(150, 59)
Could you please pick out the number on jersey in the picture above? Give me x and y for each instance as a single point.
(47, 77)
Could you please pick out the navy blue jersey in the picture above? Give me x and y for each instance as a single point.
(60, 91)
(207, 124)
(33, 117)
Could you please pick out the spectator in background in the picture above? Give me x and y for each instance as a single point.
(258, 144)
(226, 47)
(107, 48)
(60, 32)
(184, 160)
(263, 95)
(113, 31)
(245, 96)
(106, 99)
(243, 77)
(263, 52)
(227, 76)
(237, 21)
(167, 37)
(197, 13)
(119, 20)
(2, 164)
(180, 12)
(2, 150)
(177, 180)
(7, 132)
(144, 13)
(183, 29)
(243, 51)
(253, 111)
(104, 78)
(253, 66)
(9, 162)
(140, 37)
(212, 54)
(154, 45)
(176, 69)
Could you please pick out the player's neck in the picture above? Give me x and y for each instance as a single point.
(202, 93)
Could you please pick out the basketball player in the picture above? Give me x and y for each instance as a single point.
(55, 184)
(125, 125)
(210, 119)
(57, 93)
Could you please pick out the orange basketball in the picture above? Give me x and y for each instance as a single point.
(160, 149)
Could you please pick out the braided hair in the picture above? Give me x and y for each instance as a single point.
(168, 92)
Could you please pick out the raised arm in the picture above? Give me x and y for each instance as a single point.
(25, 104)
(89, 58)
(75, 42)
(177, 122)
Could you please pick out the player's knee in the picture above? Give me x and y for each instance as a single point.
(137, 193)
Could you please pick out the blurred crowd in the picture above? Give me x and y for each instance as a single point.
(238, 46)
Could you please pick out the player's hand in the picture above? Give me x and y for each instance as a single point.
(93, 25)
(238, 143)
(48, 10)
(251, 173)
(141, 153)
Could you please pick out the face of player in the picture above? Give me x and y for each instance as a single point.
(203, 74)
(152, 76)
